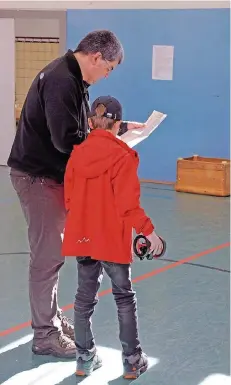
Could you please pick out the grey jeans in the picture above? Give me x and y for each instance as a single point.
(90, 274)
(42, 202)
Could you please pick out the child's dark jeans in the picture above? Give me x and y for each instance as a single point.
(90, 274)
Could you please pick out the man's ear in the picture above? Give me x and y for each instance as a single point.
(95, 57)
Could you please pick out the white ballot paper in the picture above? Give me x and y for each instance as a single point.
(133, 137)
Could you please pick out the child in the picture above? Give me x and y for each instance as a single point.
(102, 193)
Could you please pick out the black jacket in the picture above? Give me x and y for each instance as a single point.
(53, 119)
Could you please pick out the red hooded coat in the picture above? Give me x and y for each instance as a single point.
(102, 197)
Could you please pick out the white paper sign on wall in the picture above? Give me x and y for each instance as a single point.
(162, 62)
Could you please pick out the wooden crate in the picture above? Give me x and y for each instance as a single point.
(209, 176)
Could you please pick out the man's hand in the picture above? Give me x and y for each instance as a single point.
(135, 125)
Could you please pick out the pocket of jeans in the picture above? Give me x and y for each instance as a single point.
(21, 183)
(52, 183)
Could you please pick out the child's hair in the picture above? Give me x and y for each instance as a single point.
(100, 121)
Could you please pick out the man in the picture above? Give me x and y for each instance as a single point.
(53, 119)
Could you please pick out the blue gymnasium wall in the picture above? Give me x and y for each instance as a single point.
(196, 101)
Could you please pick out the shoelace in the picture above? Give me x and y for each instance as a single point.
(65, 341)
(67, 322)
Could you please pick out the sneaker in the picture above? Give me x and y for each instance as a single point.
(68, 327)
(56, 344)
(134, 367)
(85, 368)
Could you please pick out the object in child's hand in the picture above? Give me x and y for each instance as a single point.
(141, 248)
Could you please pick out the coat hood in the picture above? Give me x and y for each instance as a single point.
(98, 153)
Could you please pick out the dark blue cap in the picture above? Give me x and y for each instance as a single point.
(113, 108)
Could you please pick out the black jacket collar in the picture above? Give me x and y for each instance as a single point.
(74, 68)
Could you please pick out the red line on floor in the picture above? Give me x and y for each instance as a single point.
(180, 262)
(15, 329)
(137, 279)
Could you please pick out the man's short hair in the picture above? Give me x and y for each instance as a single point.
(102, 41)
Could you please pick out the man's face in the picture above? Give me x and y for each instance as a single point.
(100, 68)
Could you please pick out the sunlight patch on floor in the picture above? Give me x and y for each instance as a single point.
(52, 373)
(217, 379)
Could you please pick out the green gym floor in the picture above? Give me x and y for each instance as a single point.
(183, 299)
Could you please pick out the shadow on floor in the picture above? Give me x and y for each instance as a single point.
(73, 380)
(20, 365)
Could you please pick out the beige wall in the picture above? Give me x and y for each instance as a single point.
(31, 57)
(121, 4)
(7, 88)
(37, 27)
(38, 24)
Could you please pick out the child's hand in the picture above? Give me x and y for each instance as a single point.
(156, 243)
